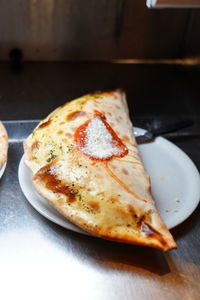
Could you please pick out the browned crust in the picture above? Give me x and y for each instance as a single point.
(122, 238)
(165, 243)
(108, 92)
(98, 93)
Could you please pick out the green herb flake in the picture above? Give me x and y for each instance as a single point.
(51, 157)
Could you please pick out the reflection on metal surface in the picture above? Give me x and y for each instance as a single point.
(40, 260)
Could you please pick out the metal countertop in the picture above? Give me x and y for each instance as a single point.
(41, 260)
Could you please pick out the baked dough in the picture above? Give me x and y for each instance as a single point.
(86, 163)
(3, 145)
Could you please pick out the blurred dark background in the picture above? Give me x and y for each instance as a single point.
(49, 30)
(52, 51)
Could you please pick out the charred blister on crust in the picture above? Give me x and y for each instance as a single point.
(140, 220)
(35, 146)
(149, 231)
(125, 172)
(47, 175)
(60, 132)
(5, 137)
(72, 116)
(45, 124)
(137, 219)
(94, 206)
(113, 200)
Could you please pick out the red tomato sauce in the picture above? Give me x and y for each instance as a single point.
(80, 137)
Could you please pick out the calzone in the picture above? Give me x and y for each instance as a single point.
(86, 163)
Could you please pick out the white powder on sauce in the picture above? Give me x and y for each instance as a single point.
(98, 141)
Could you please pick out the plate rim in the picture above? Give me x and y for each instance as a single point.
(3, 168)
(60, 220)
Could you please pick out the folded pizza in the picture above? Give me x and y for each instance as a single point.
(3, 145)
(86, 163)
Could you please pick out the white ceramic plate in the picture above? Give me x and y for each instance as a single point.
(175, 184)
(2, 170)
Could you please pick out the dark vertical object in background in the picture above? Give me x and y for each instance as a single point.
(16, 56)
(181, 53)
(119, 18)
(192, 38)
(151, 33)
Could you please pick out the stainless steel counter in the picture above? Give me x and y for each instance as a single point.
(41, 260)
